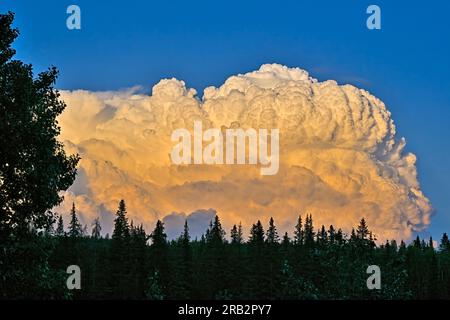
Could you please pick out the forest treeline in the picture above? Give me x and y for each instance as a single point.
(313, 264)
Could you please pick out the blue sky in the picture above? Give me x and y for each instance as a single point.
(127, 43)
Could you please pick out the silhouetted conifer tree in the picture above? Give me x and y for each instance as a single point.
(272, 233)
(445, 243)
(298, 232)
(75, 229)
(256, 234)
(60, 227)
(121, 227)
(362, 232)
(309, 231)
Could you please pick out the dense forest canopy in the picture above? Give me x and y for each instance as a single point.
(322, 263)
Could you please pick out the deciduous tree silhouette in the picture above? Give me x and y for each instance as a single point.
(31, 157)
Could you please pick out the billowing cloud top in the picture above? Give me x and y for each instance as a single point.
(339, 157)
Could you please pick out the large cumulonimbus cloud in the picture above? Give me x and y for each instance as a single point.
(340, 159)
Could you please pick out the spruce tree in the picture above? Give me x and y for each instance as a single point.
(256, 234)
(257, 263)
(121, 227)
(353, 236)
(75, 228)
(158, 236)
(236, 264)
(120, 254)
(322, 236)
(286, 240)
(393, 244)
(298, 232)
(445, 243)
(309, 231)
(184, 279)
(138, 266)
(234, 234)
(216, 232)
(417, 243)
(208, 231)
(215, 259)
(423, 244)
(185, 237)
(331, 234)
(362, 232)
(240, 235)
(340, 236)
(272, 234)
(60, 227)
(402, 247)
(271, 261)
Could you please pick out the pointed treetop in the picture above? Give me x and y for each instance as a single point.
(158, 236)
(362, 232)
(185, 237)
(272, 233)
(216, 233)
(286, 240)
(75, 228)
(298, 232)
(256, 233)
(445, 243)
(60, 227)
(121, 227)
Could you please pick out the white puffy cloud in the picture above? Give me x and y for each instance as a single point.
(340, 159)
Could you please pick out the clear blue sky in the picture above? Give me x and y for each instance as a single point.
(125, 43)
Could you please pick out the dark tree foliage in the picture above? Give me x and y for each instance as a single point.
(121, 228)
(33, 170)
(75, 229)
(182, 262)
(60, 227)
(362, 232)
(256, 234)
(445, 243)
(298, 232)
(236, 234)
(135, 265)
(33, 164)
(119, 252)
(158, 236)
(272, 233)
(216, 234)
(286, 240)
(159, 259)
(309, 231)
